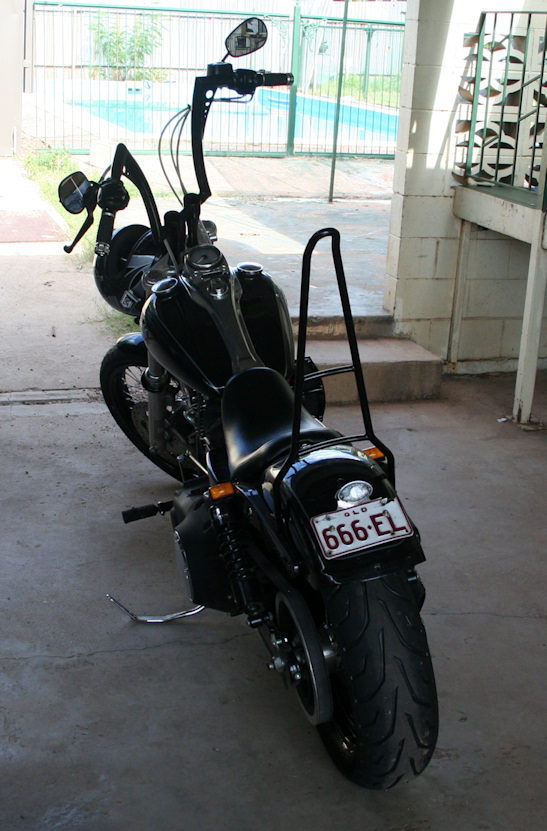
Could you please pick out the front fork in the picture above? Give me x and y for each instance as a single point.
(155, 381)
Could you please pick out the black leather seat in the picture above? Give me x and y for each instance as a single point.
(257, 416)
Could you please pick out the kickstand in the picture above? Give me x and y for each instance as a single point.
(156, 619)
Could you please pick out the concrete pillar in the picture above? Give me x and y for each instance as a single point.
(11, 72)
(425, 278)
(424, 234)
(531, 323)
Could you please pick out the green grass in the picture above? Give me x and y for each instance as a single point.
(114, 321)
(47, 168)
(382, 90)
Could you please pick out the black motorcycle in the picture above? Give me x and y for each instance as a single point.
(277, 516)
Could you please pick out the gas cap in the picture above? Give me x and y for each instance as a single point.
(248, 269)
(166, 287)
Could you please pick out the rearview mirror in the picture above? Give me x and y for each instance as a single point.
(72, 191)
(249, 36)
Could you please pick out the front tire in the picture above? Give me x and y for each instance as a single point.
(127, 401)
(385, 720)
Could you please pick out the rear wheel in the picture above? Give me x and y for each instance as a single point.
(311, 680)
(127, 401)
(385, 718)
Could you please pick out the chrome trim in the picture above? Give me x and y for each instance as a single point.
(158, 618)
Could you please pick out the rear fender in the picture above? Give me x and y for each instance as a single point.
(309, 489)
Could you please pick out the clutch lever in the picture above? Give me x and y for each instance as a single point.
(90, 203)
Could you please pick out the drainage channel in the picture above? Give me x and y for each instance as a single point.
(49, 396)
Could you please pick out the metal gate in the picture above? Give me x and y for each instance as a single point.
(113, 73)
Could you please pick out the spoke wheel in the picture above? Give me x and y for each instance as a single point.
(126, 398)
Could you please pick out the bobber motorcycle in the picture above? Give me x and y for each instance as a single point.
(276, 516)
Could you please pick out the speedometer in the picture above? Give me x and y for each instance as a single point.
(204, 258)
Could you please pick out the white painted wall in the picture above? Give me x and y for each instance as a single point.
(424, 241)
(11, 72)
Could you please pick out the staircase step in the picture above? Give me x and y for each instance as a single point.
(333, 327)
(394, 370)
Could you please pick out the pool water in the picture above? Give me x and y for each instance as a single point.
(313, 112)
(134, 114)
(314, 116)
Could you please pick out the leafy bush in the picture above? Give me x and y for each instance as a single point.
(121, 53)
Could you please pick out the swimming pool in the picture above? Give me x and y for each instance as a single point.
(313, 113)
(361, 127)
(133, 114)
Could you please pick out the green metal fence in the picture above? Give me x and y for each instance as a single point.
(503, 109)
(116, 73)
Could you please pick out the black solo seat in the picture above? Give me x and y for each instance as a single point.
(257, 416)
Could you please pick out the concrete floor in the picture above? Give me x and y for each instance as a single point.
(107, 725)
(110, 726)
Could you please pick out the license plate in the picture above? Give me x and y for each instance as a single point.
(364, 526)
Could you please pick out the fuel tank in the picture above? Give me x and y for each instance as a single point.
(184, 338)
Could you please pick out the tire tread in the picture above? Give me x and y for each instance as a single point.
(387, 675)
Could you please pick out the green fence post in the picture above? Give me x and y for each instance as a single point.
(295, 69)
(367, 63)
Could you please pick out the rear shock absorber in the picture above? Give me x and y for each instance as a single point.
(227, 521)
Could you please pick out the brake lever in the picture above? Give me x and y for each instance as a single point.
(90, 203)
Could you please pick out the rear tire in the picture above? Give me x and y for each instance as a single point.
(385, 721)
(127, 401)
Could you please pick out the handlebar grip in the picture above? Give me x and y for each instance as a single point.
(106, 222)
(275, 79)
(104, 233)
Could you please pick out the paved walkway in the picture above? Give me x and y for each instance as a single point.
(266, 210)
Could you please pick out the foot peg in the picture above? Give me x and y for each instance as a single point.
(156, 619)
(134, 514)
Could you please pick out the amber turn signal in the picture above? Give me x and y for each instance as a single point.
(374, 453)
(220, 491)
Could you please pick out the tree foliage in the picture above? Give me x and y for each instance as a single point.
(122, 53)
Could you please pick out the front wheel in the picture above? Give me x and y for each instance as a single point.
(385, 717)
(127, 401)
